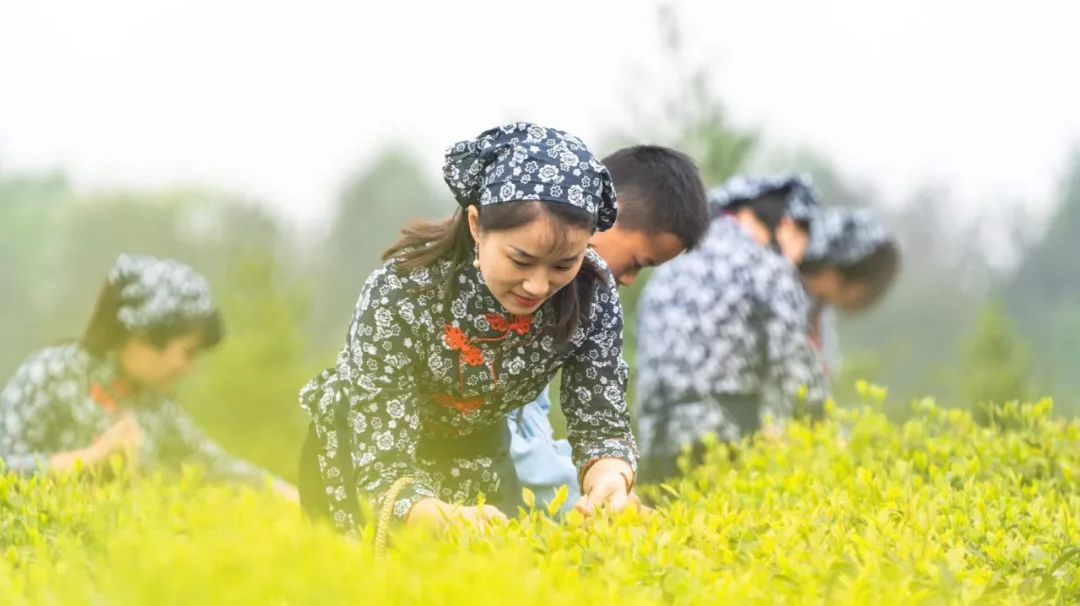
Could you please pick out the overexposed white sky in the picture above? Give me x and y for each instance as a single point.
(282, 99)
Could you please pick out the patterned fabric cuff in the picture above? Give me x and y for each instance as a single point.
(629, 460)
(610, 448)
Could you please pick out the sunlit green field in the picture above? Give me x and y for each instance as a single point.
(856, 510)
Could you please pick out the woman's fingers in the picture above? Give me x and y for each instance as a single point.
(617, 500)
(113, 438)
(600, 493)
(479, 516)
(608, 491)
(491, 513)
(131, 437)
(287, 491)
(636, 502)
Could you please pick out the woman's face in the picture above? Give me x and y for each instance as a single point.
(526, 265)
(829, 286)
(148, 366)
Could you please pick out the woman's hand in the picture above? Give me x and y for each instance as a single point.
(441, 514)
(66, 461)
(286, 491)
(123, 437)
(606, 485)
(637, 503)
(772, 432)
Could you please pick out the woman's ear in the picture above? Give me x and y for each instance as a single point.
(473, 215)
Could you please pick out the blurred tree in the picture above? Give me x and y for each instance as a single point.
(245, 391)
(691, 117)
(997, 363)
(835, 188)
(202, 228)
(918, 330)
(1049, 271)
(29, 208)
(1044, 293)
(377, 202)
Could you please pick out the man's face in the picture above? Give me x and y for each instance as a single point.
(627, 252)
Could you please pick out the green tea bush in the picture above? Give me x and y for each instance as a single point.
(854, 510)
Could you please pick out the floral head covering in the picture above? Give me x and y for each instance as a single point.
(524, 161)
(154, 291)
(802, 199)
(844, 236)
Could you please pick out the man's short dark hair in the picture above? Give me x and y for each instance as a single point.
(660, 191)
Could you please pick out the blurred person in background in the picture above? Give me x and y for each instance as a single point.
(850, 264)
(76, 405)
(727, 324)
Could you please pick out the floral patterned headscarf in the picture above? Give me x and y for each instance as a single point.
(844, 236)
(154, 291)
(802, 200)
(523, 161)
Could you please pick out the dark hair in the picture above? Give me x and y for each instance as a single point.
(105, 333)
(770, 209)
(426, 243)
(660, 191)
(876, 270)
